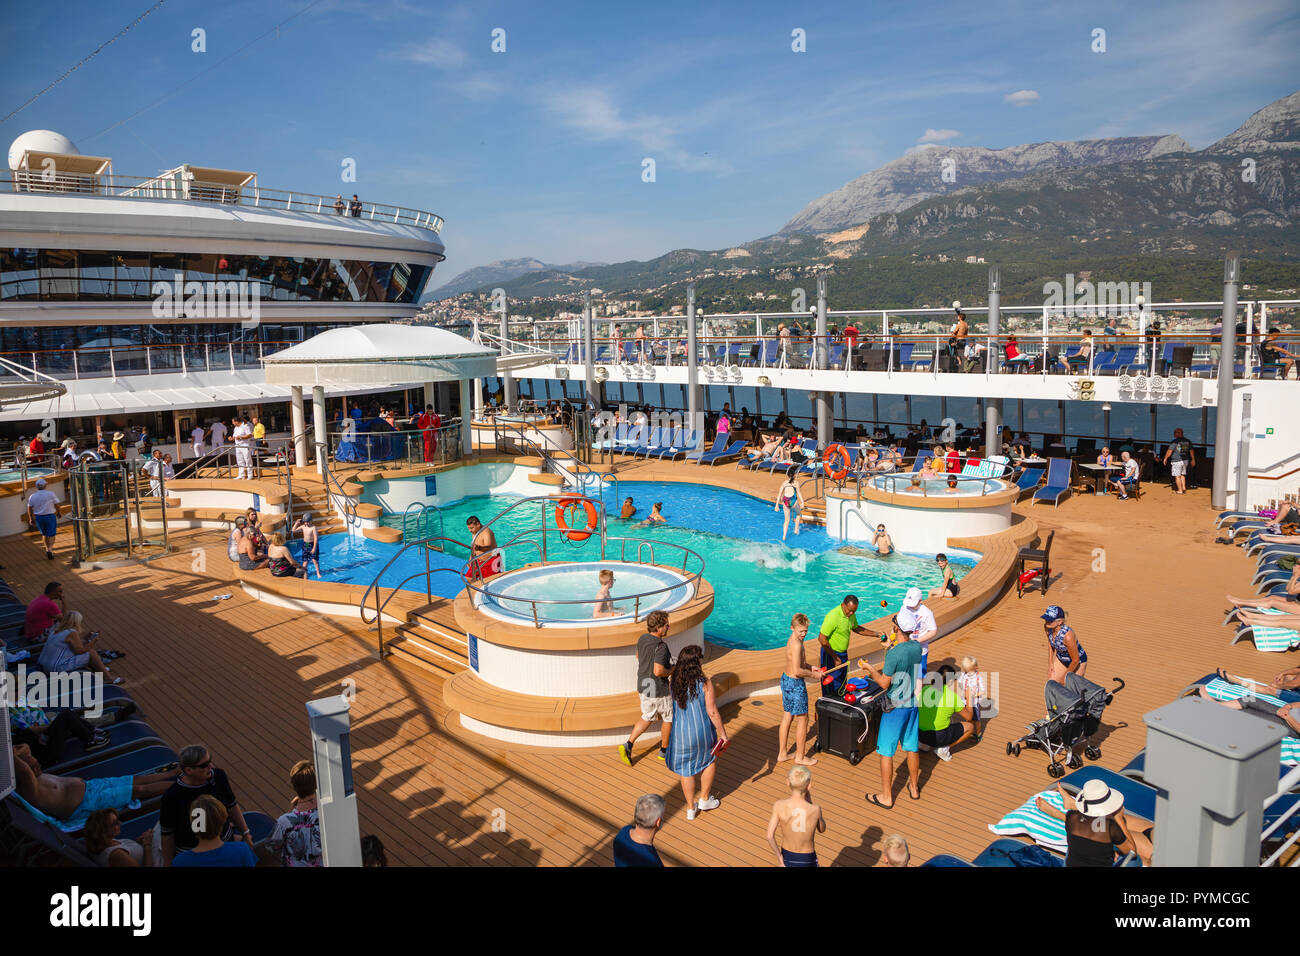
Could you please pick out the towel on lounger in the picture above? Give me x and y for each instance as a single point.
(1034, 823)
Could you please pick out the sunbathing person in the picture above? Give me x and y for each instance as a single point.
(1259, 619)
(1097, 828)
(1288, 601)
(71, 799)
(1285, 684)
(1289, 714)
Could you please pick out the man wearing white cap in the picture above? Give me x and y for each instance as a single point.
(43, 515)
(1097, 828)
(918, 622)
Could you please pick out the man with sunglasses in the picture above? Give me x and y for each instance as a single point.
(197, 777)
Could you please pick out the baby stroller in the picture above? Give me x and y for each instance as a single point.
(1073, 716)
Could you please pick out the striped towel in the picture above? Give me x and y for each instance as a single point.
(1222, 690)
(1274, 639)
(1029, 820)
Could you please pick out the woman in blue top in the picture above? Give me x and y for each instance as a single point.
(697, 729)
(208, 818)
(1065, 654)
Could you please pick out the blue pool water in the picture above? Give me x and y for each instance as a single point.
(758, 581)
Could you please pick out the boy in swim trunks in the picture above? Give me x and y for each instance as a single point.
(794, 694)
(799, 820)
(310, 542)
(882, 542)
(70, 800)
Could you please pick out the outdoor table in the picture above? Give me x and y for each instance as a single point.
(1098, 477)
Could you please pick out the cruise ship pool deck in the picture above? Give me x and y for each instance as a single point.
(1143, 583)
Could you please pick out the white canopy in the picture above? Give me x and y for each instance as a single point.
(376, 355)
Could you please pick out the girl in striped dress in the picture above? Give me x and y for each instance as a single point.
(696, 730)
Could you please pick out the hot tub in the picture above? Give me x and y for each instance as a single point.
(563, 594)
(8, 475)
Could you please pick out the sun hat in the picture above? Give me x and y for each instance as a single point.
(1096, 799)
(913, 598)
(1053, 613)
(118, 436)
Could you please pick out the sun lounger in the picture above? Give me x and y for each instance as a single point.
(719, 443)
(1273, 640)
(681, 447)
(1030, 478)
(731, 451)
(1058, 482)
(1049, 832)
(126, 736)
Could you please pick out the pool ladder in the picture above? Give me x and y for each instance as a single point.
(416, 524)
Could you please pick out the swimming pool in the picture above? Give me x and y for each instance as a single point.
(966, 486)
(13, 474)
(512, 597)
(758, 582)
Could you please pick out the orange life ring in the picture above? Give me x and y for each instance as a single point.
(833, 452)
(563, 508)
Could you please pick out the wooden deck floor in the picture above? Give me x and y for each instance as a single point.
(235, 674)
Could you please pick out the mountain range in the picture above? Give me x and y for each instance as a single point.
(1123, 197)
(495, 273)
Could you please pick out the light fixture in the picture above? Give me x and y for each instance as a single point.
(956, 304)
(601, 373)
(1140, 300)
(1105, 406)
(764, 380)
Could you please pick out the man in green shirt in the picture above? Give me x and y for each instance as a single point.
(837, 627)
(946, 719)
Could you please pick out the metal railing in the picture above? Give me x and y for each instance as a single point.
(382, 602)
(416, 521)
(176, 187)
(128, 359)
(334, 489)
(1288, 783)
(475, 579)
(398, 446)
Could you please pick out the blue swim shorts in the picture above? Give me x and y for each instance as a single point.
(899, 727)
(103, 793)
(794, 695)
(48, 525)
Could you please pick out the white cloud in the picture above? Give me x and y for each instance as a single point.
(592, 111)
(937, 135)
(1021, 97)
(436, 51)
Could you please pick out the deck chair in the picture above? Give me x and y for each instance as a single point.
(719, 443)
(1039, 558)
(125, 736)
(1030, 478)
(1058, 482)
(672, 445)
(29, 841)
(1049, 832)
(730, 452)
(1273, 640)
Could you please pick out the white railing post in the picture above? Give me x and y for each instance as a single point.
(112, 366)
(76, 368)
(207, 357)
(1248, 366)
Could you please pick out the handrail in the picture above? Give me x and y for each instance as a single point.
(1285, 785)
(421, 510)
(378, 619)
(333, 487)
(175, 188)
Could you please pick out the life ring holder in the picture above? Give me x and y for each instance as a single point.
(564, 505)
(832, 453)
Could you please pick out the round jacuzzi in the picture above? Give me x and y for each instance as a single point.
(967, 487)
(559, 595)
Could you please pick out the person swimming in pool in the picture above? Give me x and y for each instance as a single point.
(950, 588)
(952, 484)
(882, 542)
(629, 509)
(655, 516)
(788, 499)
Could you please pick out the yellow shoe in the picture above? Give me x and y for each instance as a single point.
(625, 753)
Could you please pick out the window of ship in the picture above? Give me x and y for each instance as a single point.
(71, 274)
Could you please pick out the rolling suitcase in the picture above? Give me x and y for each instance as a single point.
(847, 730)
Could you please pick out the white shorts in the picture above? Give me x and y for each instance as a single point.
(657, 707)
(1178, 468)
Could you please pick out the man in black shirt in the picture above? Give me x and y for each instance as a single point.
(1180, 457)
(654, 664)
(197, 777)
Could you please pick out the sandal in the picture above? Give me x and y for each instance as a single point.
(872, 798)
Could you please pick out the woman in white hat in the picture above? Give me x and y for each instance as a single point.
(1097, 828)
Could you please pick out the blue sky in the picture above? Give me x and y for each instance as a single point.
(538, 151)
